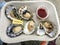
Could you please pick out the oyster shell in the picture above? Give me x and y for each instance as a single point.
(29, 27)
(48, 26)
(14, 30)
(50, 34)
(40, 30)
(21, 9)
(24, 13)
(11, 12)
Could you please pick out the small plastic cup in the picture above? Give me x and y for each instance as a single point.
(45, 11)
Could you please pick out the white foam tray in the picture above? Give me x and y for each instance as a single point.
(4, 22)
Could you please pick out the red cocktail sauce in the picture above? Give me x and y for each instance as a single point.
(42, 13)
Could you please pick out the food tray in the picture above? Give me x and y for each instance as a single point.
(4, 22)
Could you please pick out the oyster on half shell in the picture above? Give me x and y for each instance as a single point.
(48, 26)
(24, 13)
(29, 27)
(11, 12)
(14, 30)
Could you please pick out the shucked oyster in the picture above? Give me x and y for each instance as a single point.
(29, 27)
(14, 30)
(49, 29)
(25, 14)
(11, 12)
(17, 29)
(48, 26)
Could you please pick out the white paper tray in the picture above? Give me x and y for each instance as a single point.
(4, 22)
